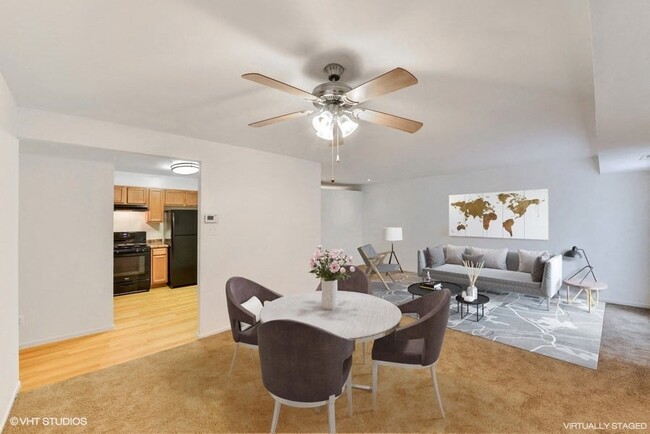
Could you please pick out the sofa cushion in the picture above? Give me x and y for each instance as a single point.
(537, 273)
(434, 256)
(454, 254)
(490, 278)
(474, 259)
(527, 258)
(494, 258)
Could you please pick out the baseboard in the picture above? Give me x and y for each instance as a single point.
(10, 405)
(625, 303)
(212, 333)
(64, 337)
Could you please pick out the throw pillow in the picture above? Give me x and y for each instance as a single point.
(474, 259)
(454, 254)
(434, 256)
(527, 258)
(537, 273)
(254, 306)
(494, 258)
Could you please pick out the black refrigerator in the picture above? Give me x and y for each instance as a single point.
(181, 236)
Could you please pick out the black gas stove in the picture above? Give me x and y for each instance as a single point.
(131, 263)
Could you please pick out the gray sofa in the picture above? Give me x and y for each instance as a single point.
(509, 280)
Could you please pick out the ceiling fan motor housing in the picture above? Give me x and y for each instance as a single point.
(333, 71)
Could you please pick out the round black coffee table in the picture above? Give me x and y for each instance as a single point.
(480, 301)
(416, 289)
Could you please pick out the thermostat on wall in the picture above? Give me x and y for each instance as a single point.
(210, 218)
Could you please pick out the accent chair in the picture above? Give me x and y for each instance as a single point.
(375, 263)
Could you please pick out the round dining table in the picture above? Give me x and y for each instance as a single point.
(357, 316)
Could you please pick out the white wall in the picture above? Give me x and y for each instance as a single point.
(66, 248)
(9, 383)
(268, 204)
(134, 221)
(607, 215)
(156, 181)
(342, 228)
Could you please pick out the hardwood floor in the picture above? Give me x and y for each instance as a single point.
(145, 323)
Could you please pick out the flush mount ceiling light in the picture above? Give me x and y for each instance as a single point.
(337, 104)
(185, 168)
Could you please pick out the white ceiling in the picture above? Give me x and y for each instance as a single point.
(123, 161)
(500, 81)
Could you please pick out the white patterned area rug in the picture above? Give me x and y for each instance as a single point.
(567, 332)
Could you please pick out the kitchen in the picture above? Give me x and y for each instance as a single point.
(72, 323)
(155, 226)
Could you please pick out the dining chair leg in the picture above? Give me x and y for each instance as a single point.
(436, 389)
(348, 386)
(276, 416)
(330, 414)
(391, 276)
(375, 368)
(234, 357)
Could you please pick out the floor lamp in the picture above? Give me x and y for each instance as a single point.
(575, 253)
(393, 234)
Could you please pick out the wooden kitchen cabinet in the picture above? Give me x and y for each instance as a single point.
(136, 195)
(174, 197)
(192, 198)
(129, 195)
(119, 194)
(158, 266)
(156, 205)
(181, 198)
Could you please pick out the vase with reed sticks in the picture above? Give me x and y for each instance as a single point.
(473, 270)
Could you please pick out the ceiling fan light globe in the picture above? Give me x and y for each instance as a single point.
(347, 125)
(325, 133)
(322, 123)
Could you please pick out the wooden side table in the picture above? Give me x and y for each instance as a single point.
(587, 286)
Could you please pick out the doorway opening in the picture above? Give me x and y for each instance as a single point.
(140, 301)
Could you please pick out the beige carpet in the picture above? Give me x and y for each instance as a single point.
(486, 387)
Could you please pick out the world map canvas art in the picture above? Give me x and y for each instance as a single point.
(509, 214)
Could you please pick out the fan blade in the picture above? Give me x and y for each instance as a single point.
(281, 118)
(391, 81)
(385, 119)
(275, 84)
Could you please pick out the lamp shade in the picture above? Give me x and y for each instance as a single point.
(393, 234)
(573, 253)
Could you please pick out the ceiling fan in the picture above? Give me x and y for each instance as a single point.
(337, 103)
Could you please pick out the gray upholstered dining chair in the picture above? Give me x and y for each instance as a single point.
(357, 282)
(416, 345)
(304, 366)
(375, 263)
(243, 322)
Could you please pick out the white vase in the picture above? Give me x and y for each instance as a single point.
(472, 293)
(329, 288)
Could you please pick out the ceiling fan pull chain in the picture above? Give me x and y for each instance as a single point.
(337, 132)
(332, 178)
